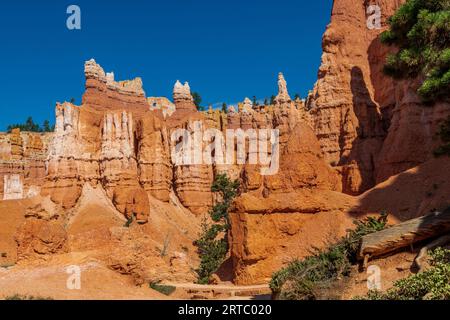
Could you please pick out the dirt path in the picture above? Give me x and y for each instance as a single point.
(97, 282)
(222, 291)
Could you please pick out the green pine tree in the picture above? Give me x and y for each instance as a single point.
(212, 244)
(272, 100)
(420, 29)
(255, 101)
(224, 107)
(197, 100)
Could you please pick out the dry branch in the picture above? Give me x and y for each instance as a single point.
(405, 234)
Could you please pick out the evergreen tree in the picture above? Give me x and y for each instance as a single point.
(421, 31)
(31, 126)
(197, 100)
(46, 126)
(212, 244)
(272, 100)
(224, 107)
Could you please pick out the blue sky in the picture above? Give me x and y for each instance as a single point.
(227, 50)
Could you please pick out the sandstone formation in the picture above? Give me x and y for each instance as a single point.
(246, 106)
(22, 167)
(106, 183)
(103, 92)
(283, 95)
(163, 104)
(357, 109)
(184, 103)
(38, 237)
(347, 118)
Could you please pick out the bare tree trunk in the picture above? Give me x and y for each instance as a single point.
(405, 234)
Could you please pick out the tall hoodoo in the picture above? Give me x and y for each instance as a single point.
(183, 100)
(247, 105)
(283, 95)
(182, 92)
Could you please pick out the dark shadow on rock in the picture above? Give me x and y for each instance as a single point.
(383, 85)
(369, 140)
(225, 272)
(410, 194)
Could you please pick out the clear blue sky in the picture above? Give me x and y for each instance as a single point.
(227, 50)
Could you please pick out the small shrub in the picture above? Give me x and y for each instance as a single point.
(164, 289)
(129, 221)
(303, 279)
(432, 284)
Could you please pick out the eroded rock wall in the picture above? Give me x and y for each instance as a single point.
(351, 92)
(22, 163)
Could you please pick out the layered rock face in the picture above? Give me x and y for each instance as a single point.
(104, 93)
(184, 103)
(369, 128)
(22, 163)
(97, 144)
(269, 221)
(354, 142)
(412, 134)
(163, 104)
(65, 155)
(155, 168)
(347, 118)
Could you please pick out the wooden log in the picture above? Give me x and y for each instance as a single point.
(405, 234)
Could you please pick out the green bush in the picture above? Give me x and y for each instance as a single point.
(164, 289)
(432, 284)
(212, 244)
(421, 31)
(130, 220)
(303, 279)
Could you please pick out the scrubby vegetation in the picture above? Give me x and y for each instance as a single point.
(164, 289)
(432, 284)
(444, 134)
(304, 279)
(421, 31)
(31, 126)
(130, 220)
(212, 244)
